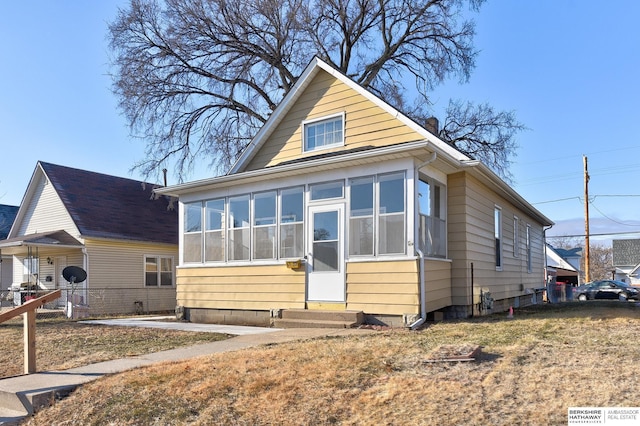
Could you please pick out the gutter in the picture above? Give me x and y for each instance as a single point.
(423, 285)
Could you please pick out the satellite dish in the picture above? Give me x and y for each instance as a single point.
(74, 274)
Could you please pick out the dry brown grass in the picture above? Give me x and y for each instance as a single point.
(62, 344)
(532, 369)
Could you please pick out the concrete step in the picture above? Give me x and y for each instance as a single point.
(15, 402)
(11, 417)
(301, 323)
(304, 318)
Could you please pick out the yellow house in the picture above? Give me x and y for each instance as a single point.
(342, 203)
(121, 234)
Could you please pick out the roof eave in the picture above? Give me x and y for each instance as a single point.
(295, 168)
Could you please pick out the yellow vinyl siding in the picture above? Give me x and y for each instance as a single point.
(116, 276)
(241, 287)
(386, 288)
(365, 123)
(438, 284)
(471, 236)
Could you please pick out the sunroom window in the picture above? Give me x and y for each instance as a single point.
(361, 219)
(192, 242)
(239, 229)
(433, 225)
(323, 133)
(292, 222)
(214, 230)
(264, 225)
(391, 202)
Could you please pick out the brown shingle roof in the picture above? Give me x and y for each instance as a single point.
(105, 206)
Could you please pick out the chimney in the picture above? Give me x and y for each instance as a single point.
(432, 125)
(164, 172)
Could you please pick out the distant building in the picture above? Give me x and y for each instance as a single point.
(626, 260)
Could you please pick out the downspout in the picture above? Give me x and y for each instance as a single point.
(423, 285)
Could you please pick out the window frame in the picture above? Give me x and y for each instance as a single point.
(269, 227)
(498, 237)
(435, 216)
(232, 231)
(294, 223)
(380, 216)
(159, 271)
(529, 260)
(207, 230)
(186, 233)
(306, 124)
(358, 217)
(516, 236)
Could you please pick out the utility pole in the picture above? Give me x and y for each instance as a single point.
(586, 221)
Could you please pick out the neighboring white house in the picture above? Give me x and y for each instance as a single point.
(124, 237)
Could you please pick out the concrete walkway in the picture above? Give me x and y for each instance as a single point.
(21, 396)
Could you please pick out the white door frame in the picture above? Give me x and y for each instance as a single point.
(326, 279)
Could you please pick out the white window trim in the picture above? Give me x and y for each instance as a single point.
(516, 236)
(499, 258)
(158, 258)
(529, 254)
(317, 120)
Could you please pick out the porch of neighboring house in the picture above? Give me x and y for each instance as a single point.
(37, 262)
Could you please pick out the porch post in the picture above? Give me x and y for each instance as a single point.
(29, 326)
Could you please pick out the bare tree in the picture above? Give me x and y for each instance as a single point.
(600, 256)
(197, 78)
(600, 262)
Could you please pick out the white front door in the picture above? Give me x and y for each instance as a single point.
(325, 260)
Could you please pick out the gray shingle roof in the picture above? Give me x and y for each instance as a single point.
(7, 216)
(105, 206)
(626, 252)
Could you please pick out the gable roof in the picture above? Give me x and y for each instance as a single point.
(7, 216)
(315, 66)
(429, 144)
(104, 206)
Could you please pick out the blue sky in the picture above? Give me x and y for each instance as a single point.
(568, 68)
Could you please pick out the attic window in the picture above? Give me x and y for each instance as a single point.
(327, 132)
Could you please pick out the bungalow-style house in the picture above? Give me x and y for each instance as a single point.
(7, 216)
(342, 203)
(122, 234)
(626, 260)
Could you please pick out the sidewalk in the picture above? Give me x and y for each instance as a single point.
(21, 396)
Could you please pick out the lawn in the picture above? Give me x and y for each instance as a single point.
(63, 344)
(531, 369)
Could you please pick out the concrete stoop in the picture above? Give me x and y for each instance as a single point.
(305, 318)
(22, 404)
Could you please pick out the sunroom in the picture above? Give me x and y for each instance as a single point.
(345, 231)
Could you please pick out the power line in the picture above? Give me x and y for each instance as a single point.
(592, 197)
(594, 235)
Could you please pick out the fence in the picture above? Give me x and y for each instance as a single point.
(79, 302)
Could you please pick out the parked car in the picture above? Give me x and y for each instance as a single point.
(606, 289)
